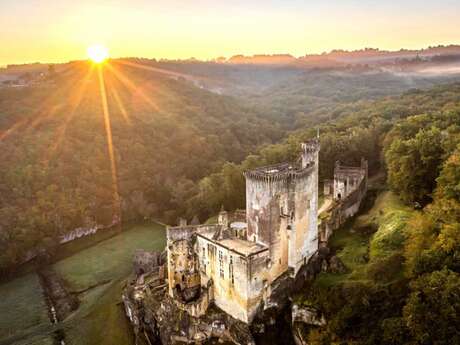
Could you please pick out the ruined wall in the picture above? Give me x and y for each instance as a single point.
(182, 266)
(345, 208)
(83, 232)
(348, 179)
(145, 261)
(200, 306)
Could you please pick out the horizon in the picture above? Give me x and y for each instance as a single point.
(178, 30)
(215, 59)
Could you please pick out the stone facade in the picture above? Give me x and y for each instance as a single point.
(240, 257)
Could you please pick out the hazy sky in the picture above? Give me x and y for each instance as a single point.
(61, 30)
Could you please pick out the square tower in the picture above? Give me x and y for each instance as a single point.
(282, 210)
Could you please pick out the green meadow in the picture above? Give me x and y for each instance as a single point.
(22, 305)
(96, 274)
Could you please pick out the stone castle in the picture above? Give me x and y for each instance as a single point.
(241, 263)
(235, 262)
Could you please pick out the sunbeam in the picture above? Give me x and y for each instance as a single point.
(120, 105)
(130, 85)
(12, 129)
(108, 132)
(74, 106)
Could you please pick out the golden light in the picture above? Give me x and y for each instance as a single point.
(98, 53)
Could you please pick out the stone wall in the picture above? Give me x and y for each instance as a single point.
(346, 207)
(86, 231)
(182, 265)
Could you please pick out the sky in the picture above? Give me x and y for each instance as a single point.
(60, 31)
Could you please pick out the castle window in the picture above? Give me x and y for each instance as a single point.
(221, 264)
(204, 258)
(230, 270)
(211, 249)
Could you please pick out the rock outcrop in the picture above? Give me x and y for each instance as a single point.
(307, 315)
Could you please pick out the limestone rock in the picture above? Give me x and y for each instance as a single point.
(307, 315)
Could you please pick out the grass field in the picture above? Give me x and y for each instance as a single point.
(21, 305)
(110, 259)
(367, 245)
(100, 318)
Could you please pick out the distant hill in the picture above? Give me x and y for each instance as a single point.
(368, 55)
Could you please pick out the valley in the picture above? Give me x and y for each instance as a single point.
(179, 149)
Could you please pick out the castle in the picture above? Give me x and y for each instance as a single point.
(249, 261)
(235, 262)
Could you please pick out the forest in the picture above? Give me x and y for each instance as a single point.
(167, 135)
(56, 171)
(177, 150)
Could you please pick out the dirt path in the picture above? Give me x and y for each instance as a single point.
(60, 302)
(55, 289)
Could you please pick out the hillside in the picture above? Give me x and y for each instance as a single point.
(351, 131)
(303, 94)
(67, 163)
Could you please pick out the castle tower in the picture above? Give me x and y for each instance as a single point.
(282, 207)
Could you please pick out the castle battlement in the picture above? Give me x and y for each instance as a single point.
(279, 172)
(283, 176)
(311, 145)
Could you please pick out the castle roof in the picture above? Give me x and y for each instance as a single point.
(222, 237)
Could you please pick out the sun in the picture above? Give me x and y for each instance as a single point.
(97, 53)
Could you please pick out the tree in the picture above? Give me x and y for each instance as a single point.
(414, 164)
(432, 310)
